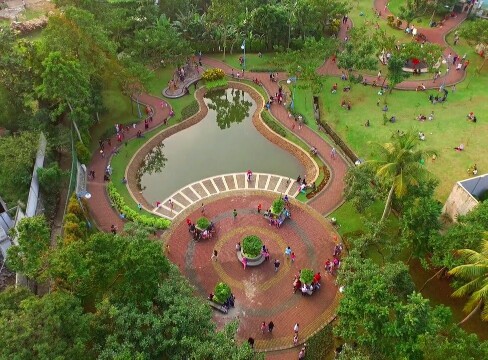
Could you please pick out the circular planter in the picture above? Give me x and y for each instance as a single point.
(255, 261)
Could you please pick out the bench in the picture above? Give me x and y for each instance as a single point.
(218, 307)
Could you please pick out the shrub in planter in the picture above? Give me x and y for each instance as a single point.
(278, 206)
(306, 276)
(82, 153)
(221, 293)
(213, 74)
(203, 223)
(251, 246)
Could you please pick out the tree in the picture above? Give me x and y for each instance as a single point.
(359, 52)
(270, 21)
(475, 272)
(399, 166)
(17, 155)
(361, 188)
(476, 33)
(395, 71)
(33, 236)
(224, 14)
(380, 310)
(64, 83)
(50, 327)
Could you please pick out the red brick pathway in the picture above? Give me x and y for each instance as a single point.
(99, 204)
(262, 294)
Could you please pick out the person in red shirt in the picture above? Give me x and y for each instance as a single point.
(317, 277)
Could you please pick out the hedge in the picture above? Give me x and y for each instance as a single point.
(251, 246)
(216, 84)
(272, 124)
(189, 110)
(131, 214)
(321, 344)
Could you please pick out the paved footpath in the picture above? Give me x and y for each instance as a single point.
(100, 206)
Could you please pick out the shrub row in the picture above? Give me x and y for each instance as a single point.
(131, 214)
(189, 110)
(273, 125)
(216, 84)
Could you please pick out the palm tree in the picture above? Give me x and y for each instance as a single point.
(399, 165)
(475, 270)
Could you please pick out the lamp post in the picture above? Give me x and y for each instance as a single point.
(243, 47)
(292, 80)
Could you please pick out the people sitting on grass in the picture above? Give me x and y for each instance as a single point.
(346, 89)
(257, 82)
(367, 123)
(421, 117)
(314, 151)
(385, 108)
(471, 117)
(421, 136)
(460, 147)
(334, 88)
(431, 116)
(393, 119)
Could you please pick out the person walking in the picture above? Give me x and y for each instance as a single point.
(171, 205)
(295, 339)
(263, 327)
(214, 255)
(250, 341)
(296, 328)
(202, 209)
(333, 153)
(259, 209)
(270, 327)
(276, 265)
(234, 214)
(113, 229)
(293, 257)
(288, 252)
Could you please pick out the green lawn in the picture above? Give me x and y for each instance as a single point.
(422, 21)
(253, 61)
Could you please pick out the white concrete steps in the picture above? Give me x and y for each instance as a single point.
(202, 189)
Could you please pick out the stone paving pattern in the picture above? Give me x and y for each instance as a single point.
(262, 294)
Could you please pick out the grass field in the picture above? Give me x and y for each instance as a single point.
(253, 61)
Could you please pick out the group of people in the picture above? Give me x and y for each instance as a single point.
(439, 99)
(306, 289)
(346, 104)
(471, 117)
(230, 302)
(331, 266)
(200, 234)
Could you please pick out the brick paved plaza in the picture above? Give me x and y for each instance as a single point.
(261, 294)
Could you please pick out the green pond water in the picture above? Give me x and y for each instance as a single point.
(225, 141)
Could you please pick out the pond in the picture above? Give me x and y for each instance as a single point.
(225, 141)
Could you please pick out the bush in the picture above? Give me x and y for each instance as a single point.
(75, 208)
(251, 246)
(278, 206)
(391, 20)
(321, 344)
(257, 45)
(221, 293)
(203, 223)
(50, 177)
(131, 214)
(216, 84)
(189, 110)
(399, 23)
(82, 153)
(306, 276)
(213, 74)
(272, 124)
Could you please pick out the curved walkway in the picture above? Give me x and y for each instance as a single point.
(100, 206)
(198, 191)
(331, 196)
(434, 35)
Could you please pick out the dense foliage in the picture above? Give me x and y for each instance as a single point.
(222, 292)
(203, 223)
(251, 246)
